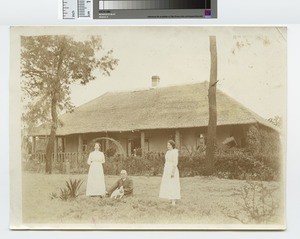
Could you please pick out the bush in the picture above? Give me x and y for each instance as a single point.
(113, 165)
(70, 191)
(110, 152)
(259, 203)
(135, 165)
(233, 162)
(241, 163)
(191, 164)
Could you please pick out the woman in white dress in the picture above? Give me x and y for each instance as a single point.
(95, 183)
(170, 185)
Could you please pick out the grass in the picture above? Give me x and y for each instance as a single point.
(203, 199)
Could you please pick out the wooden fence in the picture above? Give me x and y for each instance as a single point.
(61, 162)
(60, 157)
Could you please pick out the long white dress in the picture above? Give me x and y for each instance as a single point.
(95, 183)
(170, 187)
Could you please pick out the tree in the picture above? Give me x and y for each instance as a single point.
(212, 104)
(49, 65)
(276, 120)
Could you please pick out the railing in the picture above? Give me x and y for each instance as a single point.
(59, 157)
(61, 162)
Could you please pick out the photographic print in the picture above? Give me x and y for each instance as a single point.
(148, 127)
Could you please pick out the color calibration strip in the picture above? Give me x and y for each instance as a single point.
(85, 8)
(138, 9)
(153, 4)
(73, 9)
(69, 9)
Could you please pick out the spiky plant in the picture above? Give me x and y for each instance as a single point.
(64, 194)
(73, 187)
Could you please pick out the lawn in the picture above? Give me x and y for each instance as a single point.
(203, 202)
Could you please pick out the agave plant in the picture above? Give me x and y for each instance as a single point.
(73, 187)
(64, 194)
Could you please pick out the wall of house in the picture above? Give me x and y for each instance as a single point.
(123, 138)
(190, 137)
(156, 140)
(223, 132)
(237, 131)
(71, 143)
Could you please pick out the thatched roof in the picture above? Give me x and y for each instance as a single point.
(181, 106)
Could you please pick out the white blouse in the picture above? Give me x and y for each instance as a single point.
(172, 157)
(96, 156)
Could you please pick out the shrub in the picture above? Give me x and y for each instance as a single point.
(73, 187)
(70, 191)
(113, 165)
(241, 163)
(191, 164)
(135, 165)
(64, 194)
(110, 152)
(259, 203)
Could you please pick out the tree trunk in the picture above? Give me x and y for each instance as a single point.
(54, 116)
(50, 145)
(212, 122)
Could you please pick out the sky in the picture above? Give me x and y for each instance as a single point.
(252, 65)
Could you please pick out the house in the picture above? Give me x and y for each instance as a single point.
(146, 119)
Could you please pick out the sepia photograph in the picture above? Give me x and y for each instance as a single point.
(148, 127)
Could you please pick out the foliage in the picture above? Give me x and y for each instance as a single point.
(135, 165)
(152, 164)
(49, 65)
(259, 160)
(253, 139)
(240, 164)
(74, 187)
(192, 164)
(26, 145)
(269, 154)
(138, 152)
(64, 194)
(276, 120)
(70, 191)
(258, 203)
(110, 152)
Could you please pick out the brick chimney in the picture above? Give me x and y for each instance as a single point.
(155, 81)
